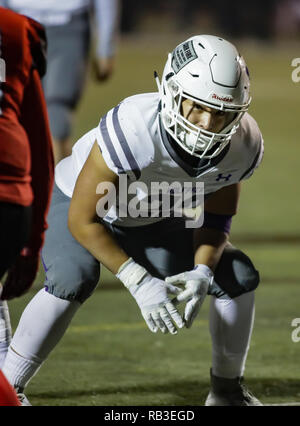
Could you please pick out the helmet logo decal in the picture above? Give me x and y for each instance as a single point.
(222, 98)
(183, 55)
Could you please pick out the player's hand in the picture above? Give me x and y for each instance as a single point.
(151, 294)
(103, 68)
(21, 275)
(196, 283)
(158, 311)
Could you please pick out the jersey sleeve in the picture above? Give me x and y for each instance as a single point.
(107, 14)
(38, 45)
(253, 147)
(256, 162)
(34, 119)
(121, 137)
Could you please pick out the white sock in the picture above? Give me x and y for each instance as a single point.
(5, 331)
(42, 325)
(231, 324)
(19, 370)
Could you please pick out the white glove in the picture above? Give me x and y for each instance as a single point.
(151, 294)
(197, 283)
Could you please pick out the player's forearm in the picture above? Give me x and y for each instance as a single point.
(99, 242)
(107, 16)
(208, 246)
(42, 164)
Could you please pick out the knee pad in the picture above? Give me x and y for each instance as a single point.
(234, 275)
(71, 281)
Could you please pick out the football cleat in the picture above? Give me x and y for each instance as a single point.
(22, 398)
(230, 392)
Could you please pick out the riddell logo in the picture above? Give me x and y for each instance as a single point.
(222, 98)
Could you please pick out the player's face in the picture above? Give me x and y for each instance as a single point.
(204, 117)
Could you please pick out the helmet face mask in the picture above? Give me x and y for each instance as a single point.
(208, 71)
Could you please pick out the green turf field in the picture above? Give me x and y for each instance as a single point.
(108, 356)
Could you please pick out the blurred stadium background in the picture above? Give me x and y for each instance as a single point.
(108, 357)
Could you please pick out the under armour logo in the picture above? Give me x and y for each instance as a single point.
(220, 177)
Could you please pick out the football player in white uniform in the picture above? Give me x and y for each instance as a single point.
(196, 129)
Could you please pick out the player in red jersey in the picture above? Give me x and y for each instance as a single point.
(26, 158)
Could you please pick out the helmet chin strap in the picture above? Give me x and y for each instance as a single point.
(157, 81)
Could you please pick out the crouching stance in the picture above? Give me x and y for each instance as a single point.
(195, 129)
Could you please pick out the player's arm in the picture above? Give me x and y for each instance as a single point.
(107, 14)
(83, 220)
(209, 243)
(35, 122)
(149, 292)
(34, 119)
(211, 238)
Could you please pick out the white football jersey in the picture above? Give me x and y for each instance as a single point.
(134, 144)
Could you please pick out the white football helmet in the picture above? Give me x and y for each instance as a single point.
(209, 71)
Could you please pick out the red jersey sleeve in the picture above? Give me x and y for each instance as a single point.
(27, 166)
(34, 119)
(38, 46)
